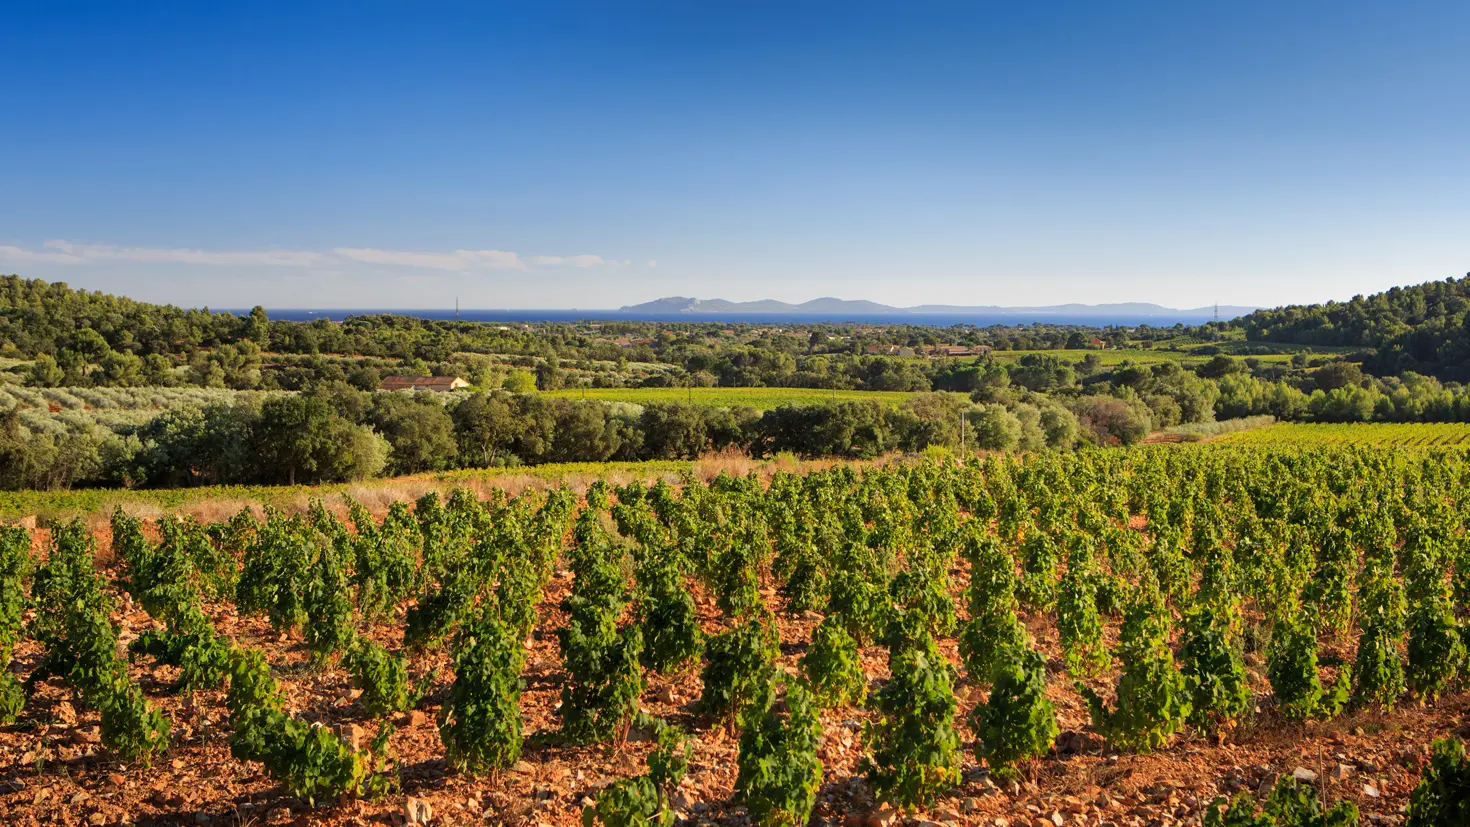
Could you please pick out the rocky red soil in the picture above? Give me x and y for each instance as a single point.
(54, 771)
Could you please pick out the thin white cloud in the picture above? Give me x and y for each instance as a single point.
(82, 253)
(574, 261)
(653, 262)
(457, 260)
(57, 251)
(16, 254)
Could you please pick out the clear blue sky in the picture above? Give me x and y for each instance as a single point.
(591, 155)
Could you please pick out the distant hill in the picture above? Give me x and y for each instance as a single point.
(684, 304)
(827, 304)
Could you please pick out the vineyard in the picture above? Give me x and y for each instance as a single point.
(1392, 434)
(1220, 635)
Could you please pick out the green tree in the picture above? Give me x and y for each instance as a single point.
(520, 381)
(417, 428)
(300, 436)
(45, 373)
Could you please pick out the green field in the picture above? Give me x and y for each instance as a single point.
(1108, 358)
(1392, 434)
(761, 399)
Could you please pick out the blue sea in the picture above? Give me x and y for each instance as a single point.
(927, 319)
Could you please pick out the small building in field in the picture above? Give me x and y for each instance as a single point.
(440, 384)
(1097, 343)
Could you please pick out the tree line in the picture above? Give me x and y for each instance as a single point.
(1423, 328)
(336, 432)
(343, 434)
